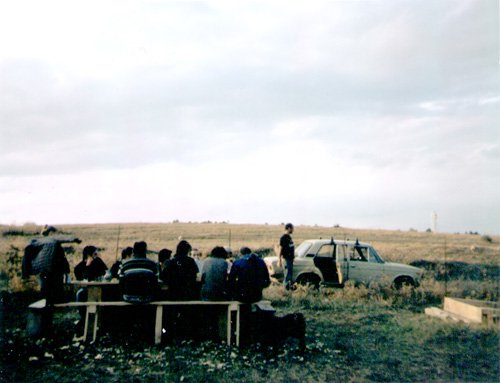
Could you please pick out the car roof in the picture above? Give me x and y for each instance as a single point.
(324, 241)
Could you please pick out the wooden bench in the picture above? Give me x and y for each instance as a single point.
(37, 310)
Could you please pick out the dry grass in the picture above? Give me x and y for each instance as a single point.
(398, 246)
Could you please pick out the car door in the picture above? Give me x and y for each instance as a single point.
(324, 260)
(342, 260)
(363, 268)
(375, 268)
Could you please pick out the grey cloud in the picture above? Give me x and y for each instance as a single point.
(153, 114)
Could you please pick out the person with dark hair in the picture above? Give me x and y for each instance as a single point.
(214, 276)
(179, 274)
(45, 257)
(91, 267)
(139, 276)
(248, 277)
(115, 268)
(47, 229)
(163, 256)
(140, 249)
(287, 251)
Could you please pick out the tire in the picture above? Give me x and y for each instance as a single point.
(399, 282)
(309, 279)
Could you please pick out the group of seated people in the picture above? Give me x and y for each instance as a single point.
(243, 280)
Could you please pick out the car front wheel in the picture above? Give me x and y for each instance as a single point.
(403, 281)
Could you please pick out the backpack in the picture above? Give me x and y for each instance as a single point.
(139, 280)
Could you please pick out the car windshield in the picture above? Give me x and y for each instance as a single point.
(302, 249)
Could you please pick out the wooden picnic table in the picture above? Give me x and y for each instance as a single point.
(106, 290)
(100, 292)
(92, 309)
(96, 288)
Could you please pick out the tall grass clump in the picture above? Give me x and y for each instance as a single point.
(429, 293)
(13, 262)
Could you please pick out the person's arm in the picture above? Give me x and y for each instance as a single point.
(99, 267)
(30, 253)
(66, 239)
(164, 274)
(65, 268)
(282, 249)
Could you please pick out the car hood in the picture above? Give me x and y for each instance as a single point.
(271, 260)
(402, 266)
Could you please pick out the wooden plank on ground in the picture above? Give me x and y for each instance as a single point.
(445, 315)
(463, 309)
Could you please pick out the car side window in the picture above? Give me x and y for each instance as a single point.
(359, 254)
(326, 251)
(343, 253)
(373, 256)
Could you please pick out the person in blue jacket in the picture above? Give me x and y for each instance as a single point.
(248, 277)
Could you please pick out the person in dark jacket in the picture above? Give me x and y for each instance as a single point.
(45, 257)
(163, 256)
(139, 276)
(91, 267)
(179, 274)
(287, 251)
(115, 267)
(248, 277)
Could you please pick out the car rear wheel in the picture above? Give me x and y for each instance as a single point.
(309, 279)
(403, 281)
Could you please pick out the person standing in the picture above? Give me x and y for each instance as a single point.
(287, 251)
(46, 257)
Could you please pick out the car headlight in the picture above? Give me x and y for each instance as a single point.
(270, 268)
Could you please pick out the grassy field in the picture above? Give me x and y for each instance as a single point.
(354, 334)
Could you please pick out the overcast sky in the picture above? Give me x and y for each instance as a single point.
(366, 114)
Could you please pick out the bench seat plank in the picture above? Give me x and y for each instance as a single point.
(91, 308)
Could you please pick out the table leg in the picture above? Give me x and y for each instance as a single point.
(90, 310)
(95, 323)
(86, 326)
(238, 326)
(94, 293)
(158, 324)
(229, 325)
